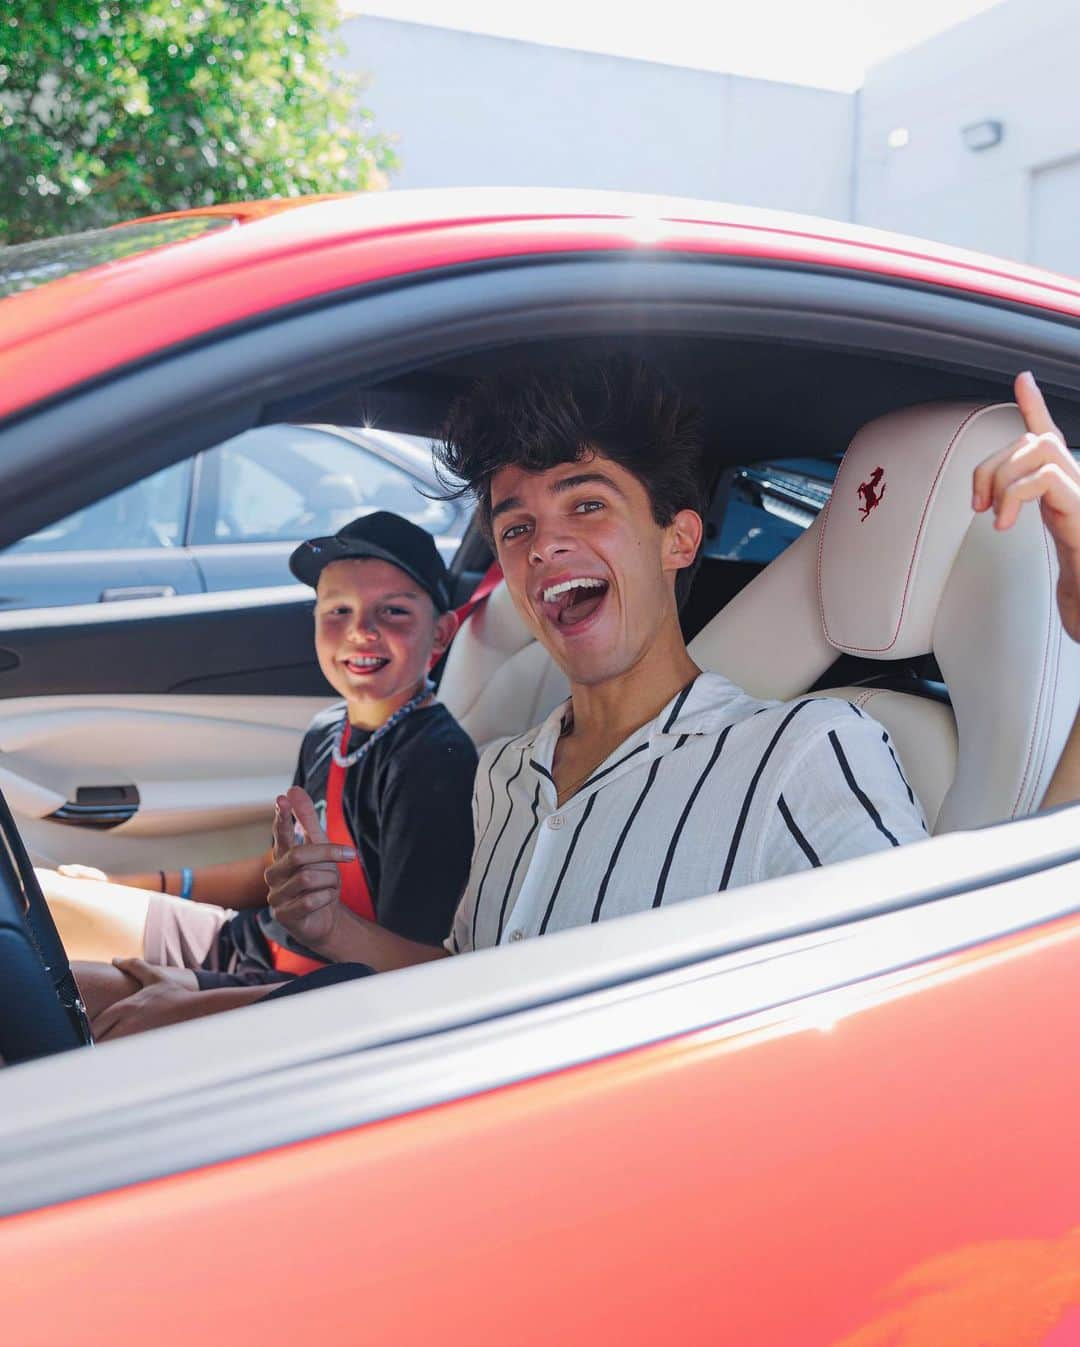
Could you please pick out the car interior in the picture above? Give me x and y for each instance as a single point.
(932, 624)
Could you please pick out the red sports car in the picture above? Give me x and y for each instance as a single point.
(837, 1108)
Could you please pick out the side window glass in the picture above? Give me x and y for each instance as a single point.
(253, 502)
(284, 483)
(149, 514)
(762, 508)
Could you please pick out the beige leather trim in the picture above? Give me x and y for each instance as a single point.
(882, 570)
(207, 770)
(769, 638)
(498, 678)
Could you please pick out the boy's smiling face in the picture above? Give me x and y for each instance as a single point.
(376, 634)
(587, 565)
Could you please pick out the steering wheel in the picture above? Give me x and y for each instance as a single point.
(41, 1011)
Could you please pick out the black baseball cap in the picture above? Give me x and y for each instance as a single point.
(387, 537)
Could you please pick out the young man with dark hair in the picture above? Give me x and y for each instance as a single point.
(655, 782)
(619, 408)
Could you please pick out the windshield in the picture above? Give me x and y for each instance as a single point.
(25, 265)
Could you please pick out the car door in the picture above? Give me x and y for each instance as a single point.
(162, 733)
(742, 1119)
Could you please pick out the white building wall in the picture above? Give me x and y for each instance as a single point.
(471, 110)
(1017, 64)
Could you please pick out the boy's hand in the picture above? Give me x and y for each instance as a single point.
(166, 996)
(303, 880)
(1038, 467)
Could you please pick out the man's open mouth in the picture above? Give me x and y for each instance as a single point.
(572, 601)
(366, 664)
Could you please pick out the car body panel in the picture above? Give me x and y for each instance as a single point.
(817, 1178)
(78, 328)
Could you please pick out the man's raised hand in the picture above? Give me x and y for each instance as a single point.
(303, 880)
(1038, 466)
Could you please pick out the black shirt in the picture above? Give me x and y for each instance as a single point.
(408, 806)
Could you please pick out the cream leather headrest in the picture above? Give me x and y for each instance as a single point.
(898, 566)
(899, 512)
(499, 680)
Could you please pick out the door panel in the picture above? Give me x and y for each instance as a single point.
(205, 769)
(235, 643)
(192, 707)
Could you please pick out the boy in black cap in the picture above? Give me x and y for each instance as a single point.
(389, 770)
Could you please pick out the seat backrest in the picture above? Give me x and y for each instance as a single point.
(498, 678)
(898, 566)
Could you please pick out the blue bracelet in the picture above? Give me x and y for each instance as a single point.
(187, 881)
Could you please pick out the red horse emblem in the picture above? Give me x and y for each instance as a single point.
(870, 494)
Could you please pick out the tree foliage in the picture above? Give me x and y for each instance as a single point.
(122, 108)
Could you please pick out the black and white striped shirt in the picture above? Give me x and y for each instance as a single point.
(719, 790)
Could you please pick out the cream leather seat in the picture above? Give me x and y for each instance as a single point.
(498, 679)
(911, 573)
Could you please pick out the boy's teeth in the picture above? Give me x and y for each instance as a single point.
(553, 591)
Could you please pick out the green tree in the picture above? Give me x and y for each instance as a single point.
(122, 108)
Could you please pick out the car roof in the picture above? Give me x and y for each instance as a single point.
(283, 253)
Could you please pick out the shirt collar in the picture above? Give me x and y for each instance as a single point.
(541, 751)
(705, 706)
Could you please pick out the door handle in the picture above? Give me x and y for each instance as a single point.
(137, 592)
(99, 807)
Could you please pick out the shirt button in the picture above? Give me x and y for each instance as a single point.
(517, 935)
(556, 821)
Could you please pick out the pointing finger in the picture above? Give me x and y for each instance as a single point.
(1033, 406)
(306, 816)
(283, 827)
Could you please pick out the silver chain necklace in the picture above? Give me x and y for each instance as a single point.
(351, 759)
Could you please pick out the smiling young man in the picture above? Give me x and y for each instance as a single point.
(654, 783)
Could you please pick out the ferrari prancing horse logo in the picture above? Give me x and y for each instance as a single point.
(870, 494)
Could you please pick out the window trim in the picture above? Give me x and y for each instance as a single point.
(128, 425)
